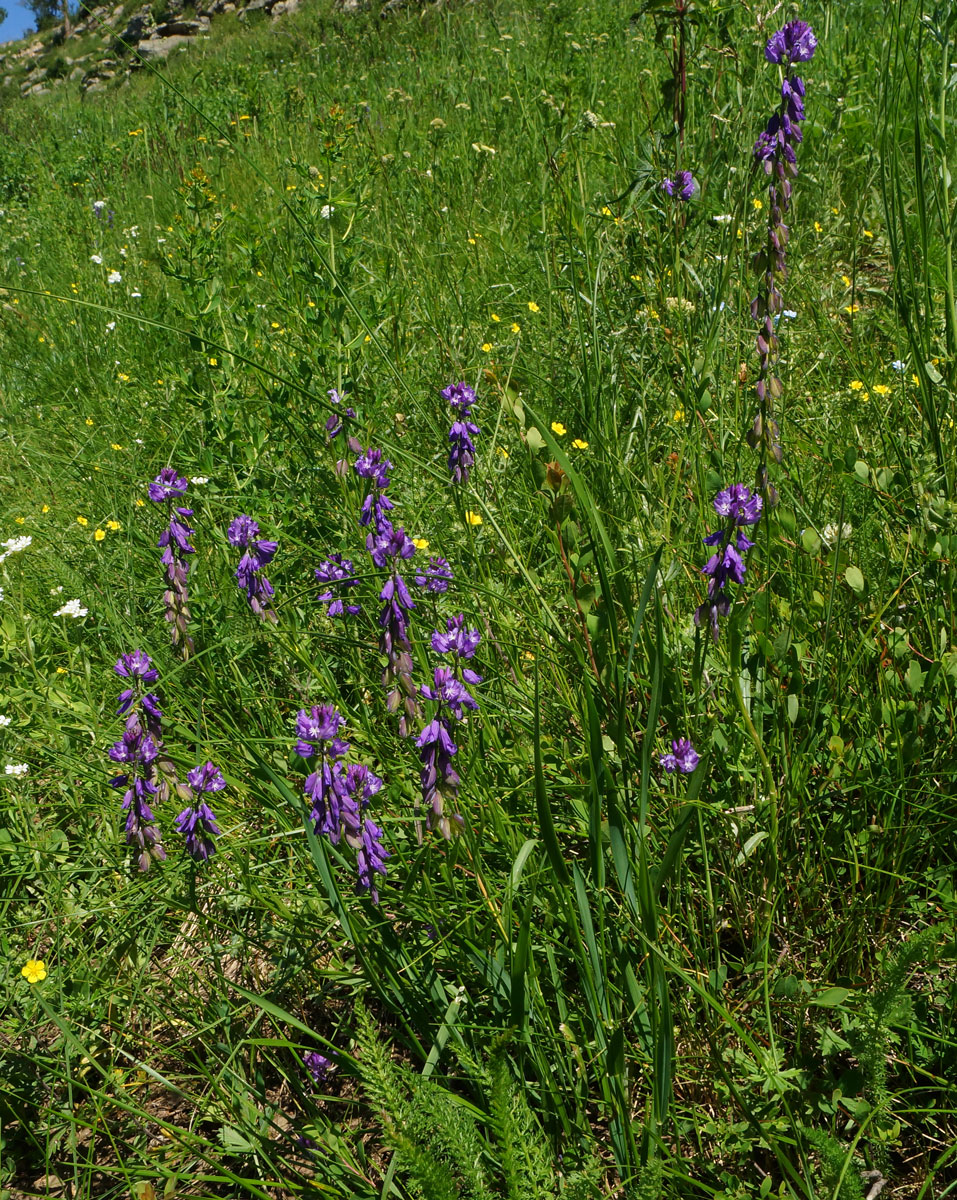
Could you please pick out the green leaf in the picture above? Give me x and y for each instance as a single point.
(855, 579)
(831, 997)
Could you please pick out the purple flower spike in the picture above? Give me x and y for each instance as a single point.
(461, 445)
(683, 186)
(740, 503)
(456, 639)
(371, 465)
(683, 757)
(249, 574)
(740, 506)
(370, 860)
(794, 43)
(436, 577)
(198, 824)
(338, 576)
(167, 486)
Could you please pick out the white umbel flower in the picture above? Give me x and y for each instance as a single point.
(72, 608)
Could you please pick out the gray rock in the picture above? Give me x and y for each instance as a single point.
(282, 7)
(183, 27)
(161, 47)
(138, 27)
(77, 73)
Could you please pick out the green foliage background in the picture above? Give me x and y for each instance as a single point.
(613, 982)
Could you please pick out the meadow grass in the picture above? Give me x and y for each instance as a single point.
(611, 980)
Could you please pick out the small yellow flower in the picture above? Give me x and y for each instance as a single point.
(867, 233)
(818, 227)
(471, 241)
(140, 503)
(758, 204)
(496, 317)
(89, 420)
(41, 338)
(213, 362)
(113, 526)
(123, 378)
(472, 518)
(61, 671)
(486, 347)
(579, 444)
(45, 508)
(865, 395)
(160, 382)
(34, 971)
(558, 428)
(533, 307)
(420, 543)
(915, 379)
(515, 327)
(19, 520)
(836, 212)
(99, 535)
(740, 235)
(678, 416)
(881, 389)
(846, 280)
(501, 450)
(310, 304)
(852, 308)
(273, 324)
(115, 446)
(82, 521)
(135, 132)
(605, 211)
(855, 385)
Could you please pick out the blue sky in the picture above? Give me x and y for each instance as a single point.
(19, 20)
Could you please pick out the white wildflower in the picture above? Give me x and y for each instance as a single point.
(72, 608)
(326, 211)
(830, 534)
(97, 258)
(16, 769)
(199, 479)
(15, 545)
(5, 721)
(114, 277)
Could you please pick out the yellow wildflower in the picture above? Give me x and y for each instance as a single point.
(62, 671)
(496, 317)
(89, 420)
(420, 543)
(34, 971)
(82, 521)
(678, 416)
(533, 307)
(99, 535)
(818, 227)
(881, 389)
(855, 385)
(113, 526)
(45, 508)
(558, 428)
(846, 280)
(852, 308)
(867, 233)
(486, 347)
(515, 327)
(19, 520)
(758, 204)
(472, 518)
(579, 444)
(140, 503)
(115, 446)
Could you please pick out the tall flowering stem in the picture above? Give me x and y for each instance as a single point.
(740, 507)
(250, 574)
(137, 753)
(197, 822)
(387, 547)
(341, 792)
(775, 152)
(461, 445)
(437, 746)
(175, 544)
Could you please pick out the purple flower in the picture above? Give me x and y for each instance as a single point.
(726, 565)
(456, 639)
(249, 574)
(740, 503)
(167, 486)
(436, 577)
(141, 830)
(372, 466)
(198, 824)
(337, 573)
(460, 396)
(370, 859)
(320, 724)
(388, 543)
(683, 757)
(334, 423)
(683, 185)
(794, 43)
(136, 665)
(206, 778)
(461, 446)
(317, 1065)
(387, 546)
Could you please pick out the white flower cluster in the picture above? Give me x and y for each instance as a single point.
(72, 608)
(16, 769)
(14, 546)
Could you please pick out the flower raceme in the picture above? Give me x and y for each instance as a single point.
(338, 576)
(740, 506)
(197, 822)
(340, 793)
(257, 554)
(683, 186)
(175, 544)
(683, 757)
(461, 445)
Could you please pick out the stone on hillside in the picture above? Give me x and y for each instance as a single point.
(77, 73)
(138, 27)
(282, 7)
(161, 47)
(183, 27)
